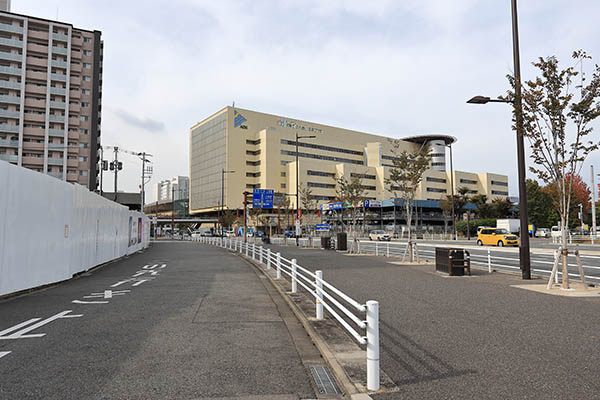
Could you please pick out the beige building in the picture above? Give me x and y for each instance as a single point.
(260, 149)
(50, 92)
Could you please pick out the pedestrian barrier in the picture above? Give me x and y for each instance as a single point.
(326, 296)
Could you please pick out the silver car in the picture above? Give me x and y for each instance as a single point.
(379, 235)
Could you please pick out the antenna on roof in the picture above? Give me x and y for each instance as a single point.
(57, 13)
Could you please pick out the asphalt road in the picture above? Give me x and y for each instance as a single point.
(469, 337)
(181, 321)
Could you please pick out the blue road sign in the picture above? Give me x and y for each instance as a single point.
(262, 198)
(322, 227)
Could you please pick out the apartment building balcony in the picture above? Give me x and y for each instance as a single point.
(12, 158)
(42, 76)
(59, 91)
(33, 146)
(77, 41)
(76, 67)
(75, 94)
(55, 161)
(58, 77)
(59, 64)
(37, 48)
(60, 50)
(11, 43)
(73, 163)
(34, 117)
(74, 108)
(39, 132)
(74, 121)
(38, 62)
(9, 114)
(73, 135)
(38, 35)
(9, 143)
(34, 89)
(11, 28)
(58, 104)
(76, 55)
(10, 99)
(33, 161)
(56, 118)
(75, 80)
(10, 70)
(4, 55)
(9, 128)
(35, 103)
(10, 85)
(56, 133)
(60, 36)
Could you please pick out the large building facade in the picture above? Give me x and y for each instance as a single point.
(177, 188)
(258, 150)
(50, 97)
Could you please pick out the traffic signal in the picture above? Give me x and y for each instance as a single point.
(120, 166)
(104, 165)
(112, 166)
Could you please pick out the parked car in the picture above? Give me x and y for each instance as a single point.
(290, 234)
(497, 236)
(542, 233)
(259, 234)
(379, 235)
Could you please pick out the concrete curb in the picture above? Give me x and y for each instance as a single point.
(340, 374)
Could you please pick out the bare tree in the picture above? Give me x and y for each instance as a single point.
(309, 209)
(405, 177)
(558, 109)
(351, 193)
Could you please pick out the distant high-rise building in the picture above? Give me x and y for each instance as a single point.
(50, 97)
(5, 5)
(179, 187)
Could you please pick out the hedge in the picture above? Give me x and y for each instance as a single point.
(461, 226)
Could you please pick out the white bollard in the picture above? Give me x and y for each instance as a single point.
(376, 248)
(254, 251)
(372, 345)
(260, 254)
(268, 259)
(294, 283)
(388, 250)
(489, 262)
(278, 265)
(319, 290)
(247, 245)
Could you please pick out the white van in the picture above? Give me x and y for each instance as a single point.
(555, 232)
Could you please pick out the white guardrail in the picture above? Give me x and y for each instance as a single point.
(326, 296)
(488, 260)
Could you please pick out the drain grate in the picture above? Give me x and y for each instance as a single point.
(324, 380)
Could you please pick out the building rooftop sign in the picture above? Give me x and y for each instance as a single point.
(294, 125)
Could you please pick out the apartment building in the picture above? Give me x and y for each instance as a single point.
(177, 187)
(258, 150)
(50, 97)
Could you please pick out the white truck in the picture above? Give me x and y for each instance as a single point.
(512, 225)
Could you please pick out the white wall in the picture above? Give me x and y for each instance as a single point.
(51, 229)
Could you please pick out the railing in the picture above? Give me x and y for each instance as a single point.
(481, 258)
(326, 297)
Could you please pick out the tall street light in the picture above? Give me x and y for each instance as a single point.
(452, 192)
(524, 256)
(297, 197)
(223, 172)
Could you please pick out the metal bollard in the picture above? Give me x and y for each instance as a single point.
(388, 250)
(294, 283)
(278, 265)
(372, 345)
(489, 262)
(319, 290)
(260, 254)
(268, 259)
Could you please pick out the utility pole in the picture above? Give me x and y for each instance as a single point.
(145, 171)
(452, 194)
(593, 233)
(116, 164)
(297, 183)
(173, 210)
(245, 215)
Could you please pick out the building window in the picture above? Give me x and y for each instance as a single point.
(499, 193)
(283, 185)
(252, 153)
(437, 155)
(83, 145)
(253, 142)
(84, 131)
(363, 176)
(499, 183)
(85, 91)
(368, 187)
(252, 174)
(82, 173)
(438, 180)
(319, 147)
(83, 117)
(438, 164)
(253, 163)
(320, 173)
(283, 174)
(87, 40)
(468, 181)
(85, 105)
(326, 198)
(87, 78)
(83, 159)
(250, 186)
(436, 190)
(87, 65)
(321, 185)
(321, 157)
(87, 52)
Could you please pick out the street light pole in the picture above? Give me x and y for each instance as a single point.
(452, 193)
(222, 210)
(297, 197)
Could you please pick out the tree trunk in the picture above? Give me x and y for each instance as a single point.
(564, 255)
(408, 225)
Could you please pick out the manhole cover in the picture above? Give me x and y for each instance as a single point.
(324, 380)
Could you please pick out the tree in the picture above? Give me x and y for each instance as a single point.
(309, 209)
(484, 208)
(552, 103)
(463, 194)
(580, 194)
(228, 218)
(405, 177)
(501, 207)
(540, 205)
(351, 193)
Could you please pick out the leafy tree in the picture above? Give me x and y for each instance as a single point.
(502, 208)
(483, 206)
(552, 103)
(405, 177)
(463, 194)
(228, 218)
(580, 194)
(350, 193)
(540, 205)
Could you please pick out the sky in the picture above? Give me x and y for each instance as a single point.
(393, 68)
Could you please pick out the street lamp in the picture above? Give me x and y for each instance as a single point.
(524, 256)
(452, 192)
(297, 198)
(223, 172)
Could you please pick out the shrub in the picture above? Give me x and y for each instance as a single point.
(461, 226)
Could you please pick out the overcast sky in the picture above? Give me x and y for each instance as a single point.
(394, 68)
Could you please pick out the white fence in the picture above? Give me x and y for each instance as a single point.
(51, 230)
(326, 296)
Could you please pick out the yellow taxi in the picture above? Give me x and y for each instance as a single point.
(496, 237)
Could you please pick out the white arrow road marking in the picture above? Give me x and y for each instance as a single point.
(21, 334)
(138, 283)
(150, 267)
(89, 302)
(4, 353)
(163, 266)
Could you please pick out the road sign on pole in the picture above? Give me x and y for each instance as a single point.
(298, 232)
(262, 198)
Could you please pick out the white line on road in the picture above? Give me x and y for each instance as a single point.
(150, 267)
(138, 283)
(119, 283)
(89, 302)
(22, 333)
(163, 266)
(4, 353)
(22, 324)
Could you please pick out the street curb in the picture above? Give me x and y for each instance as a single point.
(340, 374)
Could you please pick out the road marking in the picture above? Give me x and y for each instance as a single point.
(163, 266)
(119, 283)
(21, 334)
(4, 353)
(138, 283)
(107, 294)
(143, 272)
(150, 267)
(89, 302)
